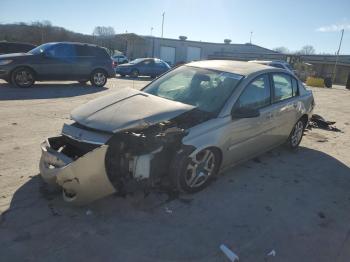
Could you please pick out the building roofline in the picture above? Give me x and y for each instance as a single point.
(193, 41)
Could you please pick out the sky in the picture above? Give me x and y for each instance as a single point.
(274, 23)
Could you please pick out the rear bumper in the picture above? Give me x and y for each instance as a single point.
(82, 180)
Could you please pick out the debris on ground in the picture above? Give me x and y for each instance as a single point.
(229, 253)
(318, 121)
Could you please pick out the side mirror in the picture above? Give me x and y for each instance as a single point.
(238, 113)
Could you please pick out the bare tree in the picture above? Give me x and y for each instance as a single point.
(104, 36)
(282, 50)
(306, 50)
(104, 31)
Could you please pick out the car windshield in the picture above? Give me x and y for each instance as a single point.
(205, 89)
(40, 49)
(136, 61)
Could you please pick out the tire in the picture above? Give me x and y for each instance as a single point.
(122, 75)
(83, 82)
(192, 175)
(134, 73)
(296, 135)
(23, 77)
(98, 78)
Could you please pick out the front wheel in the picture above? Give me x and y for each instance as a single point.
(22, 77)
(296, 135)
(192, 174)
(98, 78)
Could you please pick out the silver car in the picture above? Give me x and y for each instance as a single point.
(180, 131)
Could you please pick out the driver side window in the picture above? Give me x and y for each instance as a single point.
(256, 95)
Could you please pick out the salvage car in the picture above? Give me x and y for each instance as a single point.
(152, 67)
(179, 131)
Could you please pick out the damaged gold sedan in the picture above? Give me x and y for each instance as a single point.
(179, 131)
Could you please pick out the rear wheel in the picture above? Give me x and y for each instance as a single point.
(22, 77)
(296, 135)
(98, 78)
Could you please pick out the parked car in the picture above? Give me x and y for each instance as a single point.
(143, 67)
(181, 129)
(120, 59)
(15, 47)
(58, 61)
(276, 63)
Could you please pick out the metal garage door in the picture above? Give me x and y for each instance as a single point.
(193, 53)
(167, 54)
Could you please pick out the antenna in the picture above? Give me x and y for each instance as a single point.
(163, 23)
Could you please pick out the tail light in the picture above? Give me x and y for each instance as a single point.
(114, 64)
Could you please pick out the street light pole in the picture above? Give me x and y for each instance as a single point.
(251, 34)
(163, 23)
(337, 58)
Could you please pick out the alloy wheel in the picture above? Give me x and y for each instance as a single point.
(297, 133)
(200, 168)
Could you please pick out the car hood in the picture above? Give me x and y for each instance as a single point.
(14, 55)
(127, 109)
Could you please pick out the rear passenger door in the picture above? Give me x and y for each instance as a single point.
(146, 67)
(83, 66)
(285, 103)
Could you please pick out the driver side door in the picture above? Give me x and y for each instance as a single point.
(251, 135)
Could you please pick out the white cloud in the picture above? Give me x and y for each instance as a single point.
(334, 27)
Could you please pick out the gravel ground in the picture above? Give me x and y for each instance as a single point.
(296, 203)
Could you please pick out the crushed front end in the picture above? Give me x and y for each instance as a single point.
(89, 164)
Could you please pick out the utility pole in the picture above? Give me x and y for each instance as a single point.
(337, 58)
(251, 34)
(163, 23)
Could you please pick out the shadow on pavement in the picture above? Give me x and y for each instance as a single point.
(47, 91)
(296, 203)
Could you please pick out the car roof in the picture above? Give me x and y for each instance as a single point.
(75, 43)
(230, 66)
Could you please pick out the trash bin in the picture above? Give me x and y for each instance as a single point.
(328, 82)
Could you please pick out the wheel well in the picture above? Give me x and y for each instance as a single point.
(27, 67)
(219, 153)
(305, 119)
(102, 69)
